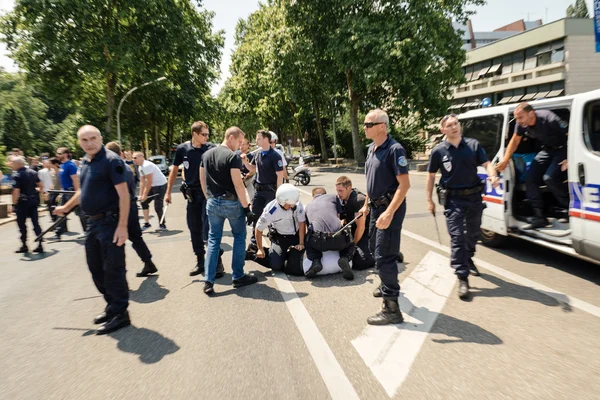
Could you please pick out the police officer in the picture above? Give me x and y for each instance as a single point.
(350, 202)
(387, 184)
(104, 198)
(268, 166)
(323, 219)
(460, 191)
(285, 219)
(190, 155)
(26, 200)
(134, 231)
(549, 165)
(274, 140)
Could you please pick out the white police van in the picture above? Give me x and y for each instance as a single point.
(507, 206)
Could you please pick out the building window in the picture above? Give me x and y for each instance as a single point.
(507, 64)
(591, 127)
(530, 58)
(558, 55)
(518, 59)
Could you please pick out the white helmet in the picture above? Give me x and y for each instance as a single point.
(287, 194)
(274, 136)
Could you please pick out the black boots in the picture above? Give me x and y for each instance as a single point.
(198, 269)
(149, 268)
(377, 291)
(389, 314)
(22, 249)
(114, 323)
(537, 221)
(314, 269)
(463, 289)
(347, 273)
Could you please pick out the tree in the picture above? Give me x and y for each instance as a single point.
(15, 131)
(578, 10)
(403, 56)
(80, 49)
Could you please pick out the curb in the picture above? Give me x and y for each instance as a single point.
(8, 220)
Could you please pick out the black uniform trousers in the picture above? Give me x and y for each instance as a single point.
(135, 234)
(259, 201)
(385, 245)
(28, 209)
(280, 245)
(463, 217)
(318, 242)
(544, 168)
(363, 258)
(196, 221)
(106, 262)
(52, 205)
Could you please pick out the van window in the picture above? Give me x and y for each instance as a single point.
(591, 127)
(487, 130)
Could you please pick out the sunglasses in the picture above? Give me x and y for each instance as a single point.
(369, 125)
(204, 134)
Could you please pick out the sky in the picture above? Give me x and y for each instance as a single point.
(494, 14)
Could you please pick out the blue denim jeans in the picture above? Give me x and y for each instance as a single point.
(218, 211)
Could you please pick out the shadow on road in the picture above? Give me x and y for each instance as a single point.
(39, 256)
(360, 277)
(149, 291)
(256, 291)
(168, 232)
(457, 330)
(507, 289)
(151, 346)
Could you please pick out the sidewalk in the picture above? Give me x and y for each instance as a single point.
(7, 199)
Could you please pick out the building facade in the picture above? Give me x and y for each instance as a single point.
(551, 60)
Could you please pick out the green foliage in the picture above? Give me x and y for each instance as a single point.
(578, 10)
(15, 130)
(3, 167)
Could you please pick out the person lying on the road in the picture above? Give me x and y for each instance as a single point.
(286, 221)
(323, 216)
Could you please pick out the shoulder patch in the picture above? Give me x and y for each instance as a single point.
(272, 210)
(279, 163)
(402, 161)
(120, 169)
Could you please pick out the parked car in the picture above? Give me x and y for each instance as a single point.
(161, 163)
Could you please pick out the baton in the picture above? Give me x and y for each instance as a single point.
(61, 191)
(437, 228)
(162, 219)
(347, 225)
(149, 197)
(54, 225)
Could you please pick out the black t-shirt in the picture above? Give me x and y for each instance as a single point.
(268, 163)
(322, 213)
(98, 177)
(458, 164)
(349, 208)
(26, 180)
(191, 157)
(549, 129)
(218, 163)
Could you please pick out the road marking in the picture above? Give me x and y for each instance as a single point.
(389, 351)
(332, 373)
(555, 294)
(305, 192)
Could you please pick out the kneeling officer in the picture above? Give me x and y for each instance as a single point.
(286, 221)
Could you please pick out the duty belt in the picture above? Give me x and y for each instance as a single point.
(260, 187)
(465, 192)
(100, 216)
(384, 200)
(321, 235)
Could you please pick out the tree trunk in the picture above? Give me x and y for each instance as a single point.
(354, 103)
(157, 139)
(111, 84)
(317, 111)
(297, 124)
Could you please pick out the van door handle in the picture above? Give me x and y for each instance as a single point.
(581, 173)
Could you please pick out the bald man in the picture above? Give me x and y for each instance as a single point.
(104, 198)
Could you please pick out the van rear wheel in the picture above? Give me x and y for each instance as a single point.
(492, 239)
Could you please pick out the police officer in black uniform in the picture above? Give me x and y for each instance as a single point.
(104, 199)
(268, 166)
(350, 202)
(387, 184)
(549, 165)
(459, 191)
(190, 155)
(134, 230)
(26, 200)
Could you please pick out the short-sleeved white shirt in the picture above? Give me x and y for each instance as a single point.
(286, 222)
(158, 179)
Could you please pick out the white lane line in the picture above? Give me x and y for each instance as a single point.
(305, 192)
(389, 351)
(555, 294)
(332, 373)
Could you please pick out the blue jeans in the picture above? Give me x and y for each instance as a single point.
(218, 211)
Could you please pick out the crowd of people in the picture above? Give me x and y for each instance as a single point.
(334, 232)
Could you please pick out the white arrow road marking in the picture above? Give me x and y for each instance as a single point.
(389, 351)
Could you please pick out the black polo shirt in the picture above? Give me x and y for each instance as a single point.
(26, 180)
(349, 208)
(191, 158)
(458, 164)
(382, 167)
(268, 163)
(549, 129)
(98, 178)
(322, 214)
(218, 163)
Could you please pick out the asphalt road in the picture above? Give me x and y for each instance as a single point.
(529, 332)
